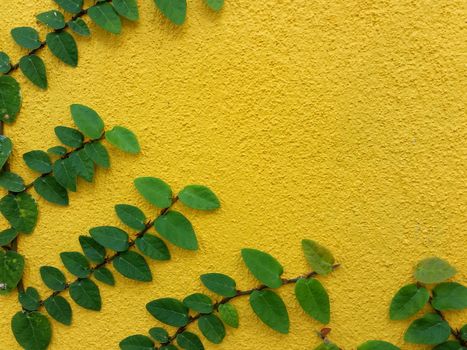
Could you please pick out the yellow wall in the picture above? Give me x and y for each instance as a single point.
(339, 121)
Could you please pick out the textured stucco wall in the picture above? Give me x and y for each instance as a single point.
(340, 121)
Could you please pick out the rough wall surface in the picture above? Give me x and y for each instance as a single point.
(339, 121)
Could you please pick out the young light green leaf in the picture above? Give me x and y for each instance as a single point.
(408, 301)
(93, 250)
(54, 19)
(271, 310)
(377, 345)
(10, 99)
(176, 228)
(212, 328)
(83, 165)
(433, 270)
(189, 341)
(430, 329)
(319, 258)
(26, 37)
(8, 235)
(53, 278)
(215, 5)
(29, 299)
(155, 191)
(11, 182)
(98, 154)
(110, 237)
(159, 334)
(72, 6)
(76, 263)
(57, 150)
(123, 139)
(131, 216)
(229, 315)
(11, 270)
(6, 146)
(313, 299)
(79, 27)
(104, 275)
(169, 311)
(48, 188)
(69, 136)
(198, 302)
(174, 10)
(220, 284)
(104, 16)
(5, 64)
(87, 120)
(199, 197)
(85, 293)
(137, 342)
(127, 9)
(449, 296)
(65, 173)
(63, 46)
(133, 266)
(38, 161)
(59, 309)
(263, 266)
(32, 330)
(153, 247)
(33, 68)
(20, 210)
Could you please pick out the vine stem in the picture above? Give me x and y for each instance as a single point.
(239, 293)
(455, 333)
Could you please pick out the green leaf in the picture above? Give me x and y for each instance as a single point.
(220, 284)
(85, 293)
(83, 165)
(105, 17)
(199, 197)
(215, 5)
(168, 347)
(137, 342)
(69, 136)
(169, 311)
(32, 330)
(93, 250)
(463, 332)
(65, 173)
(174, 10)
(33, 68)
(6, 146)
(212, 328)
(176, 228)
(155, 191)
(408, 301)
(450, 345)
(377, 345)
(63, 46)
(449, 296)
(98, 154)
(132, 265)
(51, 190)
(53, 278)
(263, 266)
(198, 302)
(59, 309)
(189, 341)
(110, 237)
(271, 310)
(26, 37)
(131, 216)
(79, 27)
(57, 150)
(72, 6)
(159, 334)
(5, 64)
(433, 270)
(327, 346)
(11, 182)
(313, 299)
(38, 161)
(104, 275)
(29, 299)
(20, 210)
(127, 9)
(87, 120)
(430, 329)
(319, 258)
(76, 263)
(153, 247)
(123, 139)
(8, 235)
(11, 270)
(229, 315)
(54, 19)
(10, 99)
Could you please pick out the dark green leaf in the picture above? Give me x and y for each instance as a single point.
(69, 136)
(26, 37)
(11, 270)
(174, 10)
(6, 146)
(176, 228)
(215, 5)
(11, 182)
(313, 299)
(72, 6)
(59, 309)
(408, 301)
(131, 216)
(29, 299)
(132, 265)
(51, 190)
(155, 191)
(159, 334)
(8, 235)
(87, 120)
(105, 17)
(98, 154)
(93, 250)
(449, 296)
(10, 99)
(168, 347)
(199, 302)
(212, 328)
(63, 46)
(32, 330)
(169, 311)
(86, 294)
(79, 27)
(189, 341)
(83, 165)
(450, 345)
(110, 237)
(57, 150)
(319, 258)
(5, 65)
(153, 247)
(54, 19)
(377, 345)
(76, 263)
(220, 284)
(104, 275)
(433, 270)
(65, 173)
(137, 342)
(263, 266)
(199, 197)
(229, 315)
(271, 310)
(127, 9)
(463, 332)
(20, 210)
(38, 161)
(53, 278)
(430, 329)
(123, 139)
(33, 68)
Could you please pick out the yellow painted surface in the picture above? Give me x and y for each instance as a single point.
(339, 121)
